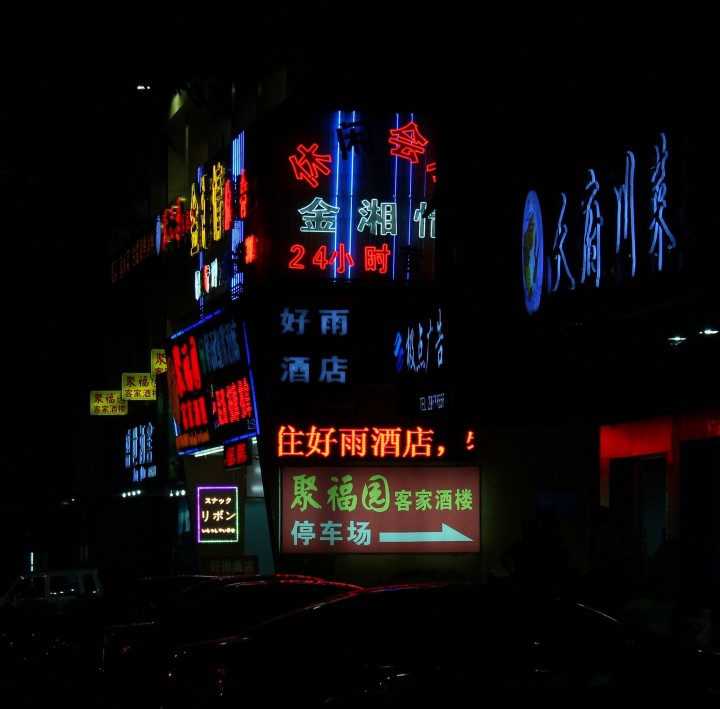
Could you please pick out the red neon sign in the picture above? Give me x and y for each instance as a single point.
(309, 165)
(366, 442)
(408, 142)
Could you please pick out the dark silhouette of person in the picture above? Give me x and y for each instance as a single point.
(539, 557)
(605, 570)
(522, 559)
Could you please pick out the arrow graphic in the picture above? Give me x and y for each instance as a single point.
(447, 534)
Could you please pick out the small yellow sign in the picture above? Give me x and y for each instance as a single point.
(139, 386)
(107, 403)
(158, 362)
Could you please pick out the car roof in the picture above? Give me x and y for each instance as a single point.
(59, 572)
(208, 585)
(231, 608)
(404, 599)
(198, 594)
(422, 597)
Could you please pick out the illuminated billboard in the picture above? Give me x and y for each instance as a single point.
(107, 403)
(218, 515)
(210, 384)
(376, 510)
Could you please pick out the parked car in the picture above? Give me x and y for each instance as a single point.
(153, 598)
(45, 621)
(52, 626)
(142, 598)
(136, 656)
(439, 645)
(52, 591)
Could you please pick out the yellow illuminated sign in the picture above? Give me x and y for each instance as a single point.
(158, 362)
(139, 386)
(107, 403)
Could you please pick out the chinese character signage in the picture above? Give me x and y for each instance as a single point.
(367, 442)
(139, 452)
(325, 350)
(229, 565)
(312, 350)
(158, 362)
(619, 223)
(210, 384)
(361, 510)
(298, 444)
(421, 354)
(341, 196)
(139, 386)
(218, 519)
(236, 454)
(107, 403)
(297, 326)
(357, 197)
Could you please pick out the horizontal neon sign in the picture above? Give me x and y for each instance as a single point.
(364, 442)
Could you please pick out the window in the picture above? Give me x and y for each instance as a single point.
(66, 585)
(89, 583)
(30, 589)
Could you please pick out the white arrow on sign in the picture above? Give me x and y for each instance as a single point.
(448, 534)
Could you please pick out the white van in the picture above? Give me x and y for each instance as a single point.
(54, 588)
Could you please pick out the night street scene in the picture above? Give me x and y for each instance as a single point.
(362, 359)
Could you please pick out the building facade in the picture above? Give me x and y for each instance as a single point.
(369, 356)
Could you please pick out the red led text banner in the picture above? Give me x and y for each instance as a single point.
(369, 443)
(374, 510)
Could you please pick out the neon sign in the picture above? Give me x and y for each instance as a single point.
(218, 518)
(363, 190)
(532, 252)
(421, 349)
(408, 142)
(139, 456)
(173, 225)
(210, 384)
(308, 165)
(366, 442)
(207, 279)
(588, 257)
(331, 322)
(236, 454)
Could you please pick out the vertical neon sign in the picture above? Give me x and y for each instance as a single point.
(238, 227)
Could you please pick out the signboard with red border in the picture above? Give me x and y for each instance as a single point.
(376, 510)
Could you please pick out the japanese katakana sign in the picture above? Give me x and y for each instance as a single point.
(218, 514)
